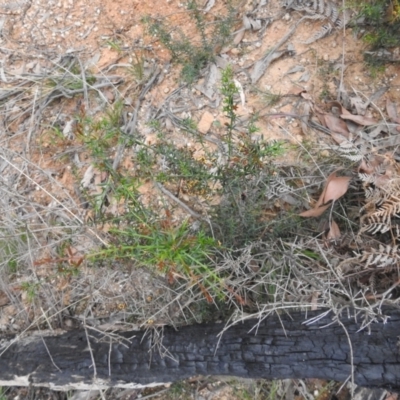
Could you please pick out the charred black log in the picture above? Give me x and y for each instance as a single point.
(278, 347)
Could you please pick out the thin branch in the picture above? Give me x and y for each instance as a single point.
(91, 351)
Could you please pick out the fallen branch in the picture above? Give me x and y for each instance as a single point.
(312, 345)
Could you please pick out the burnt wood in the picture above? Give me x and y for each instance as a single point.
(278, 347)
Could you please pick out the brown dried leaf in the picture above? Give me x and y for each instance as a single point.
(336, 188)
(330, 121)
(323, 199)
(336, 104)
(338, 138)
(334, 231)
(336, 125)
(315, 212)
(359, 119)
(239, 36)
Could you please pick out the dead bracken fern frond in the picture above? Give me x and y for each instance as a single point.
(277, 188)
(325, 30)
(350, 151)
(324, 8)
(383, 257)
(374, 270)
(381, 183)
(376, 264)
(319, 9)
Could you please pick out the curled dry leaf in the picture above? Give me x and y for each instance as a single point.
(239, 36)
(336, 104)
(336, 125)
(297, 91)
(359, 119)
(315, 212)
(334, 231)
(330, 121)
(335, 187)
(338, 138)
